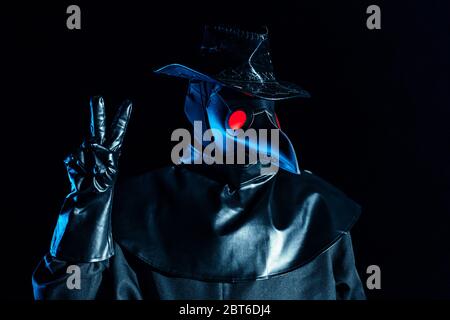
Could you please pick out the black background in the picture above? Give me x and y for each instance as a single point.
(376, 125)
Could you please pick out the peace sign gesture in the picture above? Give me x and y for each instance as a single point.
(83, 231)
(94, 165)
(111, 140)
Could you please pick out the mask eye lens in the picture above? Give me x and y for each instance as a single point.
(237, 119)
(278, 121)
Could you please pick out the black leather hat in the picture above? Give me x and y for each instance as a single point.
(240, 60)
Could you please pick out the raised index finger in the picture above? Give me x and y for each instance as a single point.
(98, 118)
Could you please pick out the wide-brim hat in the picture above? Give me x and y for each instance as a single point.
(239, 60)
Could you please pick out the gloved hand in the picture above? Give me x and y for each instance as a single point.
(83, 230)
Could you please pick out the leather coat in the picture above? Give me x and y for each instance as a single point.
(196, 231)
(191, 232)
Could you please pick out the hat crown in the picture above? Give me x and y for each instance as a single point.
(237, 55)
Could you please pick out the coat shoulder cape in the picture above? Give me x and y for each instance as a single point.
(184, 224)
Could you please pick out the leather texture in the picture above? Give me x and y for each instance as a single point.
(212, 105)
(240, 60)
(330, 276)
(185, 223)
(196, 231)
(83, 230)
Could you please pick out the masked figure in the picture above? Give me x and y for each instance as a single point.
(203, 229)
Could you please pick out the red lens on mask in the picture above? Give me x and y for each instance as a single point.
(237, 119)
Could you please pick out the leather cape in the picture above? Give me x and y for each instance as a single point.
(187, 223)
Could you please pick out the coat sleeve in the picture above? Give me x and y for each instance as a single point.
(54, 279)
(112, 279)
(348, 283)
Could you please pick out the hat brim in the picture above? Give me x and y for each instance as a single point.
(269, 90)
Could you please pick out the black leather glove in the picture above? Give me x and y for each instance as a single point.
(83, 230)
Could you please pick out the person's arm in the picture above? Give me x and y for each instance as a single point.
(54, 279)
(348, 283)
(82, 235)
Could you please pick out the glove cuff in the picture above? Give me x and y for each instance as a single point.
(83, 230)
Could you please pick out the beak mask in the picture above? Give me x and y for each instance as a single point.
(245, 130)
